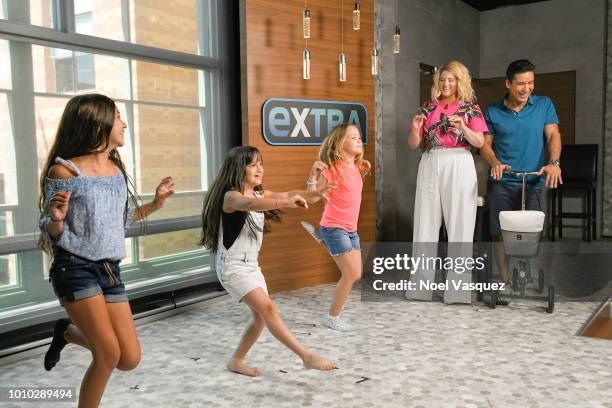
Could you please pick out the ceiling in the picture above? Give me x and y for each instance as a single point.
(493, 4)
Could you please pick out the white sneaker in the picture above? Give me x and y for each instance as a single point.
(336, 323)
(312, 231)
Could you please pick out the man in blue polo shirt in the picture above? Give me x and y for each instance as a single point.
(523, 136)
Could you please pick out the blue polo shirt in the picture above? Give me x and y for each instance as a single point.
(518, 137)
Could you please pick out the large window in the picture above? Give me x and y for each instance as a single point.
(165, 92)
(178, 25)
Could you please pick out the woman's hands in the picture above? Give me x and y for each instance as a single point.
(414, 139)
(457, 122)
(476, 139)
(417, 122)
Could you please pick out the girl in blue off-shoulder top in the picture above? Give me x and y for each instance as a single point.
(84, 215)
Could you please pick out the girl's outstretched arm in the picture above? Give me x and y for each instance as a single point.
(234, 201)
(164, 190)
(310, 195)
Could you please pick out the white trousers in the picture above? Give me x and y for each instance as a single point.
(446, 188)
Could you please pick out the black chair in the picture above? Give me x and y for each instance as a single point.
(579, 174)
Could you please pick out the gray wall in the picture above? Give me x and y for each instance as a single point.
(557, 35)
(432, 32)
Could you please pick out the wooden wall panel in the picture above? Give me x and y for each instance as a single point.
(271, 65)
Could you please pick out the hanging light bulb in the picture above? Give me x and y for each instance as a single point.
(374, 61)
(306, 64)
(356, 16)
(342, 67)
(306, 22)
(342, 57)
(396, 36)
(396, 41)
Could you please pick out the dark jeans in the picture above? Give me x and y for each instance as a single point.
(74, 278)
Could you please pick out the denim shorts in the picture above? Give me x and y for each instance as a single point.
(75, 278)
(339, 241)
(507, 197)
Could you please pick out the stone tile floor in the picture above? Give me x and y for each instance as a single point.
(403, 354)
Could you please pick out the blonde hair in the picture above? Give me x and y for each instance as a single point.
(331, 153)
(465, 92)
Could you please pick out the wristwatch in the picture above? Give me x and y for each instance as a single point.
(555, 162)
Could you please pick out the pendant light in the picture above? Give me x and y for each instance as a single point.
(396, 36)
(306, 52)
(342, 57)
(356, 16)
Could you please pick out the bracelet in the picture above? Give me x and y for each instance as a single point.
(312, 182)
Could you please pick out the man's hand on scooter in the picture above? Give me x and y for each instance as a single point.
(498, 170)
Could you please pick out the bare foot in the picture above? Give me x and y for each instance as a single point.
(238, 366)
(316, 362)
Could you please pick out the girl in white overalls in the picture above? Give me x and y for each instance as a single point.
(233, 223)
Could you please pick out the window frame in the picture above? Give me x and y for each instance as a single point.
(66, 37)
(213, 33)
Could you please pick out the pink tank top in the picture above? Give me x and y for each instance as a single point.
(342, 209)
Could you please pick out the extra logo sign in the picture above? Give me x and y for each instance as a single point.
(303, 122)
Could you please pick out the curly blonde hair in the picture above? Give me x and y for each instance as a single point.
(331, 153)
(465, 92)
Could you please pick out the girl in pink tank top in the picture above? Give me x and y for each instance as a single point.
(341, 162)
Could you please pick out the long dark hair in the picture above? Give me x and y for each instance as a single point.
(230, 177)
(84, 128)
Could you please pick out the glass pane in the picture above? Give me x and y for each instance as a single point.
(6, 223)
(167, 143)
(166, 84)
(169, 24)
(53, 69)
(47, 111)
(58, 70)
(8, 172)
(179, 206)
(5, 65)
(100, 18)
(8, 270)
(2, 14)
(170, 243)
(129, 253)
(23, 290)
(111, 77)
(42, 13)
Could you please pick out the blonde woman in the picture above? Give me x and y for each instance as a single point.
(445, 128)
